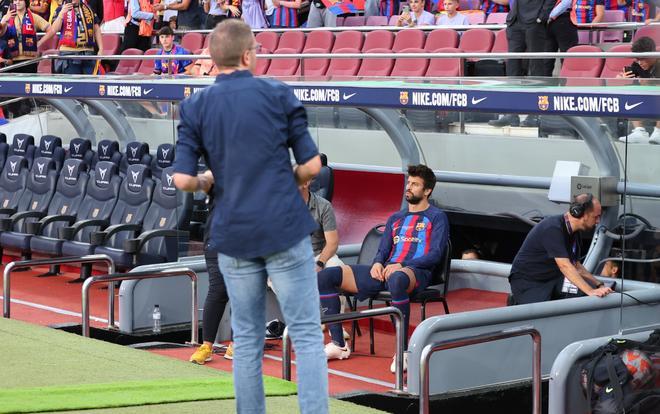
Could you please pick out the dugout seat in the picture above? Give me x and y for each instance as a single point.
(378, 39)
(136, 153)
(107, 150)
(126, 66)
(412, 67)
(445, 67)
(50, 146)
(406, 39)
(380, 67)
(268, 41)
(324, 183)
(348, 39)
(164, 158)
(81, 149)
(439, 38)
(23, 146)
(291, 40)
(320, 39)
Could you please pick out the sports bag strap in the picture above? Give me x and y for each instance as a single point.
(614, 381)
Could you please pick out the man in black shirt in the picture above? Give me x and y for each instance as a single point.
(551, 251)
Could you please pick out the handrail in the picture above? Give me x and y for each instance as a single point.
(92, 258)
(352, 316)
(116, 277)
(430, 349)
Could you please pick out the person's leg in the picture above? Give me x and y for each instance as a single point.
(551, 45)
(131, 34)
(314, 19)
(295, 285)
(216, 298)
(515, 36)
(526, 291)
(535, 38)
(329, 18)
(246, 285)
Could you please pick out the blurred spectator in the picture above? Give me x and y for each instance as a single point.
(587, 11)
(494, 6)
(189, 16)
(216, 11)
(415, 15)
(77, 42)
(562, 33)
(172, 23)
(114, 16)
(253, 13)
(617, 5)
(269, 12)
(54, 5)
(638, 11)
(169, 48)
(97, 8)
(139, 29)
(203, 67)
(471, 254)
(320, 16)
(388, 8)
(41, 7)
(286, 13)
(610, 269)
(4, 6)
(452, 17)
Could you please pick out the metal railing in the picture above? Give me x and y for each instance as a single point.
(92, 258)
(430, 349)
(352, 316)
(117, 277)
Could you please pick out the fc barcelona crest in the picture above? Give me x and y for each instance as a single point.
(28, 88)
(186, 91)
(544, 102)
(420, 226)
(102, 90)
(403, 97)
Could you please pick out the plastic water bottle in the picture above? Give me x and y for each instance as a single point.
(156, 318)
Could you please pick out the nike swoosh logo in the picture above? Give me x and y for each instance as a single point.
(609, 389)
(476, 101)
(66, 90)
(347, 97)
(148, 91)
(629, 107)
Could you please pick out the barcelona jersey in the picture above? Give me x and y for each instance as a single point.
(639, 11)
(414, 239)
(584, 11)
(489, 7)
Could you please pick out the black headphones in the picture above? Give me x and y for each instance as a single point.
(577, 210)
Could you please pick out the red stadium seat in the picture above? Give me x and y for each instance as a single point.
(207, 41)
(445, 67)
(496, 18)
(348, 39)
(378, 39)
(192, 41)
(376, 67)
(582, 67)
(393, 20)
(292, 40)
(343, 67)
(320, 39)
(441, 38)
(410, 67)
(49, 44)
(111, 43)
(126, 67)
(614, 66)
(501, 44)
(262, 64)
(376, 21)
(268, 40)
(410, 38)
(147, 66)
(648, 31)
(314, 68)
(340, 21)
(477, 41)
(353, 21)
(614, 16)
(476, 17)
(283, 67)
(46, 65)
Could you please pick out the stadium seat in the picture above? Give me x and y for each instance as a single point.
(165, 226)
(164, 158)
(354, 21)
(340, 21)
(648, 31)
(146, 65)
(111, 43)
(50, 146)
(376, 67)
(393, 20)
(69, 192)
(23, 146)
(207, 41)
(582, 67)
(125, 66)
(13, 181)
(136, 153)
(192, 41)
(441, 38)
(348, 39)
(441, 68)
(413, 67)
(283, 67)
(339, 68)
(613, 16)
(378, 39)
(493, 67)
(376, 21)
(4, 149)
(410, 38)
(324, 183)
(292, 41)
(320, 39)
(124, 223)
(81, 149)
(46, 65)
(501, 44)
(107, 150)
(496, 18)
(314, 68)
(262, 64)
(613, 66)
(475, 17)
(477, 41)
(268, 40)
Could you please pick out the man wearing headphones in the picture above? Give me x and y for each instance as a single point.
(551, 251)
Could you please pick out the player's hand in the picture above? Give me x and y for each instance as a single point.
(391, 268)
(600, 292)
(377, 272)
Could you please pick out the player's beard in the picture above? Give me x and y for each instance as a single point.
(412, 199)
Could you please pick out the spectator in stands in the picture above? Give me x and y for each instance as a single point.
(261, 224)
(638, 11)
(320, 16)
(253, 13)
(286, 13)
(6, 33)
(203, 67)
(169, 48)
(452, 17)
(97, 8)
(54, 5)
(610, 269)
(189, 14)
(41, 7)
(24, 46)
(73, 41)
(617, 5)
(653, 19)
(587, 11)
(388, 8)
(471, 254)
(551, 251)
(562, 33)
(139, 29)
(4, 6)
(216, 11)
(172, 22)
(412, 245)
(415, 15)
(494, 6)
(114, 16)
(642, 68)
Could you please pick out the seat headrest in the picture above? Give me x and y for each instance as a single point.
(135, 151)
(71, 170)
(167, 181)
(165, 155)
(21, 143)
(14, 165)
(48, 144)
(79, 147)
(41, 167)
(103, 173)
(3, 138)
(135, 175)
(106, 149)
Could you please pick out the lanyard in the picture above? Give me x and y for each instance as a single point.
(572, 239)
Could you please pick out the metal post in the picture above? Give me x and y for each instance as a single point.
(430, 349)
(116, 277)
(92, 258)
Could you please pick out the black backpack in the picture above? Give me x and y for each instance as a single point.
(609, 385)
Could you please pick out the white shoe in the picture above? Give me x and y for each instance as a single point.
(347, 336)
(636, 136)
(405, 363)
(655, 136)
(334, 351)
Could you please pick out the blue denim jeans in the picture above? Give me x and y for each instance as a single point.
(295, 284)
